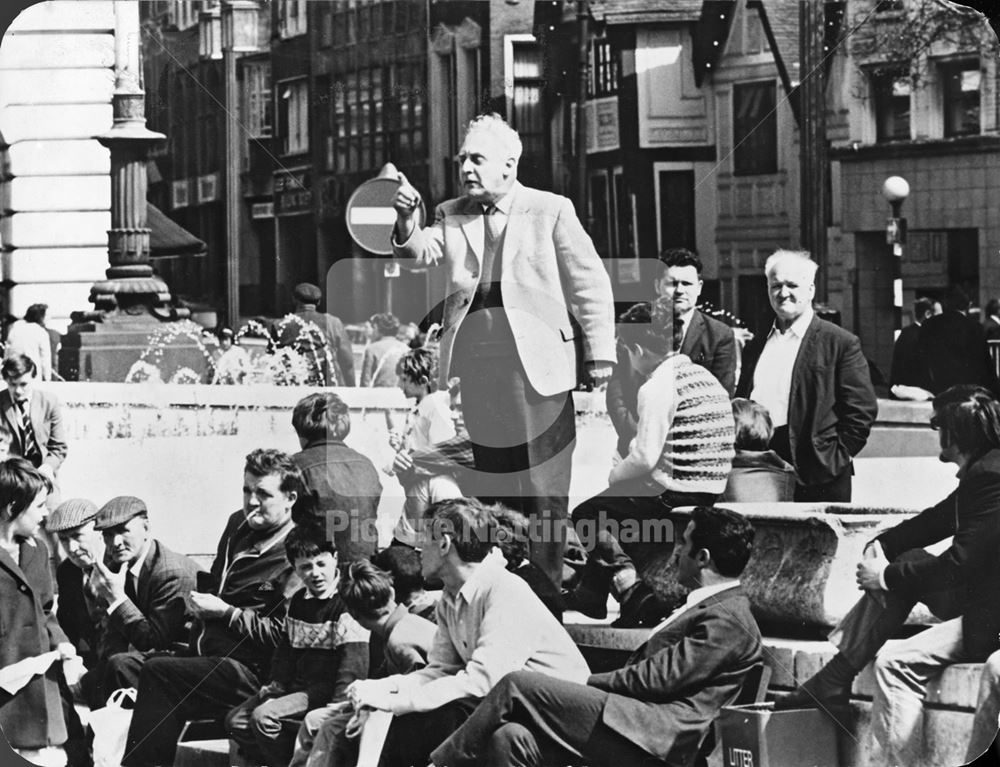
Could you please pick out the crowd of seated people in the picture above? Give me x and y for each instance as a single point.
(314, 647)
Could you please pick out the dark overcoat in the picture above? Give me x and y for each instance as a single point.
(33, 717)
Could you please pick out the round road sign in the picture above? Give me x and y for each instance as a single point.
(371, 217)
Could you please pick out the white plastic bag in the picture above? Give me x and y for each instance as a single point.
(110, 725)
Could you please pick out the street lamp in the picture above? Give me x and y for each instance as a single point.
(239, 35)
(896, 190)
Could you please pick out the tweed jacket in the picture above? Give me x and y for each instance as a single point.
(831, 405)
(556, 291)
(669, 692)
(155, 619)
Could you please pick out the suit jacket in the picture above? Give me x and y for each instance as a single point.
(970, 567)
(155, 620)
(669, 692)
(46, 421)
(908, 367)
(992, 329)
(953, 351)
(831, 406)
(79, 613)
(707, 342)
(34, 717)
(550, 273)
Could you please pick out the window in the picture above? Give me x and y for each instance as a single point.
(891, 91)
(291, 17)
(960, 86)
(258, 111)
(603, 69)
(293, 115)
(185, 14)
(527, 112)
(755, 129)
(889, 6)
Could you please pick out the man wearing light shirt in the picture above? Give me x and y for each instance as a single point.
(659, 706)
(960, 586)
(490, 623)
(813, 379)
(141, 585)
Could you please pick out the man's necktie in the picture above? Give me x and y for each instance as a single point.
(130, 591)
(27, 434)
(493, 225)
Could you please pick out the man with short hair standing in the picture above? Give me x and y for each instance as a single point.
(705, 340)
(489, 624)
(237, 627)
(34, 419)
(141, 586)
(333, 349)
(528, 306)
(813, 379)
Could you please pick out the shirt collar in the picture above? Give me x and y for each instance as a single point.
(136, 567)
(504, 203)
(704, 592)
(484, 575)
(798, 328)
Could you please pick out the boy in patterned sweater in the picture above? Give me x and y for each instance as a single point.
(329, 737)
(681, 455)
(322, 652)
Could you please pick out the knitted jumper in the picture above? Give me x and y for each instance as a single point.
(693, 412)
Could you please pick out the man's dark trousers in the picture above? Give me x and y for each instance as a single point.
(531, 719)
(412, 737)
(173, 690)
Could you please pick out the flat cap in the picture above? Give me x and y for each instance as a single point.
(119, 510)
(307, 293)
(70, 514)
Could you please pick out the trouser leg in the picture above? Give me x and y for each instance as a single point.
(902, 671)
(332, 747)
(172, 690)
(985, 722)
(412, 737)
(237, 726)
(266, 723)
(867, 626)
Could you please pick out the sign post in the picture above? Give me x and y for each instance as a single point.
(370, 219)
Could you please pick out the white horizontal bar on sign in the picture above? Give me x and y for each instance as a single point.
(373, 215)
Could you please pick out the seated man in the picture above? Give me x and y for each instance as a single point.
(78, 611)
(330, 735)
(322, 651)
(759, 474)
(681, 456)
(236, 629)
(489, 624)
(344, 483)
(143, 597)
(960, 585)
(658, 708)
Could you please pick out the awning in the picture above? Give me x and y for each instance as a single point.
(168, 239)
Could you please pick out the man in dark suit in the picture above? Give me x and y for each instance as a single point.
(141, 586)
(908, 377)
(659, 706)
(33, 418)
(952, 347)
(705, 340)
(528, 313)
(814, 381)
(960, 585)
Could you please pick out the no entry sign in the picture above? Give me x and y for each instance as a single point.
(370, 215)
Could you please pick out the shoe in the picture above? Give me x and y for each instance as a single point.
(587, 602)
(837, 707)
(640, 607)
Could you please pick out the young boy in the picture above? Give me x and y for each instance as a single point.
(431, 422)
(759, 474)
(323, 651)
(329, 736)
(513, 540)
(402, 563)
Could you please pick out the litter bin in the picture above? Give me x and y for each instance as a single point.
(756, 735)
